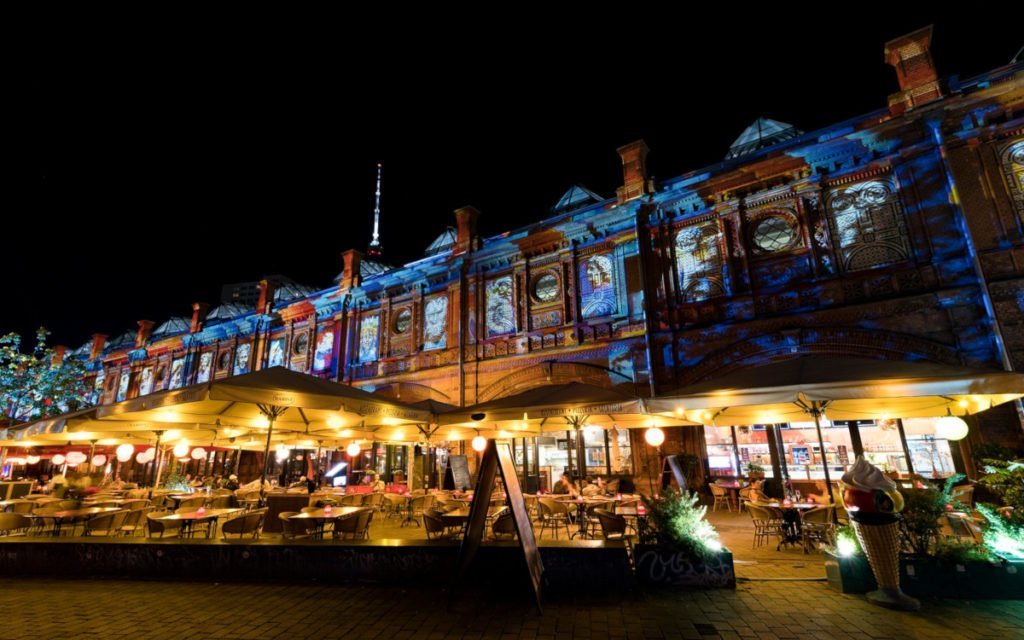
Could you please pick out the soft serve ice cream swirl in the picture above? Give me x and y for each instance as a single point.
(867, 477)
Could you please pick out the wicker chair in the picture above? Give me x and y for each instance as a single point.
(817, 528)
(352, 500)
(106, 524)
(134, 522)
(14, 524)
(433, 525)
(554, 514)
(349, 526)
(24, 507)
(613, 526)
(247, 524)
(374, 501)
(190, 505)
(295, 529)
(221, 502)
(765, 524)
(155, 525)
(504, 526)
(721, 497)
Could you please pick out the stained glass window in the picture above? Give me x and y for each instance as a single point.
(435, 323)
(500, 311)
(775, 233)
(699, 261)
(1013, 164)
(868, 225)
(545, 288)
(597, 287)
(369, 331)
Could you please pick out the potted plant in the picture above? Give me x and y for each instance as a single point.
(755, 471)
(687, 551)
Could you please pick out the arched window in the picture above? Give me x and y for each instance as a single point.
(700, 262)
(1013, 165)
(868, 225)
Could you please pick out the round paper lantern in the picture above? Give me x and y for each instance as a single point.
(654, 436)
(76, 458)
(951, 428)
(353, 450)
(32, 459)
(198, 453)
(99, 460)
(141, 457)
(181, 450)
(58, 459)
(124, 452)
(479, 443)
(151, 452)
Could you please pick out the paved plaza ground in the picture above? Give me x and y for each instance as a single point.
(112, 609)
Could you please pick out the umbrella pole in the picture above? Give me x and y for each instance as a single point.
(816, 411)
(271, 416)
(156, 480)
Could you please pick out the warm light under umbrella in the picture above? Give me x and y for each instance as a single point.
(32, 459)
(99, 460)
(353, 450)
(58, 459)
(654, 436)
(198, 453)
(181, 450)
(479, 443)
(951, 428)
(124, 452)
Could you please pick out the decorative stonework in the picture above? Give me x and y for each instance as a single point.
(1013, 165)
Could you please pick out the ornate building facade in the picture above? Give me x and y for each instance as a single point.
(898, 234)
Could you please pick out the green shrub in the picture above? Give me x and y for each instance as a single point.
(679, 524)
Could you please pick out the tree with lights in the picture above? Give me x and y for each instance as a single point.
(38, 383)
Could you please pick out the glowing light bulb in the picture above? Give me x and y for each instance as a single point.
(479, 443)
(654, 436)
(353, 450)
(951, 428)
(125, 452)
(335, 422)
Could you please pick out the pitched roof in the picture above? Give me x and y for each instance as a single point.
(762, 133)
(227, 311)
(442, 243)
(576, 197)
(173, 325)
(287, 291)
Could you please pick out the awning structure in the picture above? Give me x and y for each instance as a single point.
(847, 388)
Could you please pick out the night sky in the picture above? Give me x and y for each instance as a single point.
(154, 172)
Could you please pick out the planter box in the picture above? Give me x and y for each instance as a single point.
(659, 566)
(924, 576)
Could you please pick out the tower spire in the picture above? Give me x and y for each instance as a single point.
(375, 250)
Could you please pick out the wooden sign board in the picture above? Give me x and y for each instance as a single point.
(672, 462)
(458, 467)
(498, 459)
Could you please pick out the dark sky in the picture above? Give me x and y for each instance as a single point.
(154, 170)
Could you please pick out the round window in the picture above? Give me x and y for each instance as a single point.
(774, 233)
(301, 344)
(545, 288)
(403, 321)
(223, 360)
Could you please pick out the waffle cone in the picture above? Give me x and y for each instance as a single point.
(881, 544)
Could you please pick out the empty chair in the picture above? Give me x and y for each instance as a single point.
(14, 524)
(136, 504)
(765, 524)
(68, 504)
(817, 528)
(419, 505)
(363, 519)
(106, 524)
(554, 514)
(504, 526)
(136, 521)
(613, 526)
(190, 504)
(347, 527)
(352, 500)
(721, 497)
(248, 524)
(393, 505)
(24, 507)
(221, 502)
(433, 525)
(155, 525)
(297, 528)
(374, 501)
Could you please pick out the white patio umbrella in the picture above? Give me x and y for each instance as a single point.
(844, 387)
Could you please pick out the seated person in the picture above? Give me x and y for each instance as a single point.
(821, 496)
(756, 493)
(565, 486)
(232, 483)
(591, 487)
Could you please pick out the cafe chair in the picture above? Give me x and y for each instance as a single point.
(553, 514)
(721, 497)
(106, 524)
(220, 502)
(374, 501)
(190, 505)
(14, 524)
(132, 522)
(744, 497)
(295, 529)
(393, 505)
(766, 525)
(352, 500)
(433, 525)
(42, 524)
(24, 507)
(816, 528)
(348, 528)
(135, 505)
(247, 524)
(504, 527)
(363, 520)
(154, 525)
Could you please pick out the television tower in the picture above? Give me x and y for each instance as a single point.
(375, 250)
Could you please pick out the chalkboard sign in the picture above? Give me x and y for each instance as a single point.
(459, 468)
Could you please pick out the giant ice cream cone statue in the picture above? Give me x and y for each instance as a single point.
(872, 501)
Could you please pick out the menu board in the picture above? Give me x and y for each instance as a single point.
(801, 455)
(745, 455)
(459, 469)
(844, 456)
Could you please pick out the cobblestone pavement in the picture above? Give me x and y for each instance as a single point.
(111, 609)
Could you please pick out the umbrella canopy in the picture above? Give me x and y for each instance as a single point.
(270, 399)
(557, 408)
(847, 388)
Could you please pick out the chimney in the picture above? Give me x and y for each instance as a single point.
(911, 56)
(634, 172)
(266, 301)
(145, 330)
(350, 261)
(99, 341)
(465, 218)
(199, 311)
(58, 354)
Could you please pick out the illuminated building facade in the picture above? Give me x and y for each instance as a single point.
(898, 234)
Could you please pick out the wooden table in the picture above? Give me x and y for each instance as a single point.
(72, 514)
(790, 519)
(459, 517)
(321, 516)
(188, 520)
